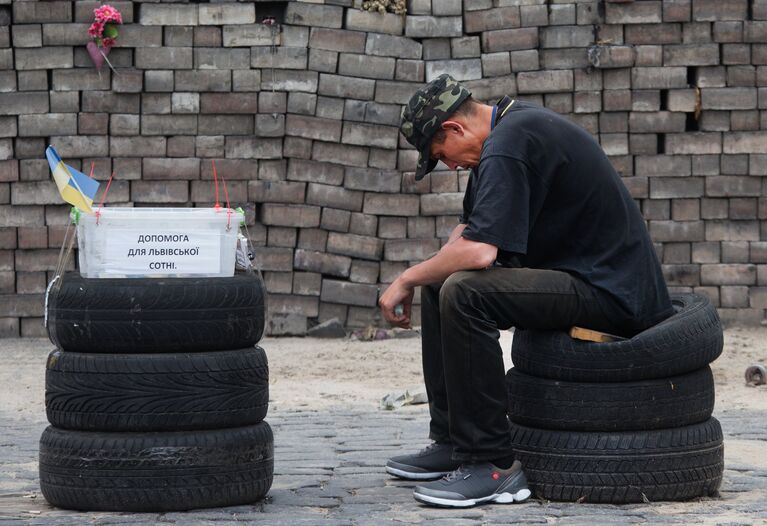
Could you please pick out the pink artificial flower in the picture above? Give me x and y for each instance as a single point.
(107, 13)
(96, 29)
(107, 42)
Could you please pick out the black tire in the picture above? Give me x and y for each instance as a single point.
(649, 404)
(666, 464)
(687, 341)
(156, 392)
(156, 471)
(147, 315)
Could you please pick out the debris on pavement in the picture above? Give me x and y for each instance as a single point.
(371, 333)
(412, 396)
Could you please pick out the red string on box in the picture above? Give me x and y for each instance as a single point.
(228, 208)
(215, 180)
(103, 197)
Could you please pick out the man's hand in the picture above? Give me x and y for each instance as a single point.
(397, 294)
(458, 254)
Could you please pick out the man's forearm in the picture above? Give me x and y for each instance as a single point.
(462, 254)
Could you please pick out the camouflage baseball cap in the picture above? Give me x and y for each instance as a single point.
(423, 115)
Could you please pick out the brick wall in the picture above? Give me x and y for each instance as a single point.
(306, 134)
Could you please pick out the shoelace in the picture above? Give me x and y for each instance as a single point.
(457, 474)
(428, 448)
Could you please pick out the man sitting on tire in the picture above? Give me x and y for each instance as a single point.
(549, 238)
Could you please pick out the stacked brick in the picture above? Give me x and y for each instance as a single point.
(302, 123)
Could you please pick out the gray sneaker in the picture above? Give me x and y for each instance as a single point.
(432, 462)
(473, 484)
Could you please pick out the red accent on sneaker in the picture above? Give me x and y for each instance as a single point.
(496, 475)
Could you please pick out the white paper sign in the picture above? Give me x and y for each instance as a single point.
(162, 251)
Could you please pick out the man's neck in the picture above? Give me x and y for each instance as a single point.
(484, 121)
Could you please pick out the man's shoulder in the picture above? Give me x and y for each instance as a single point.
(531, 117)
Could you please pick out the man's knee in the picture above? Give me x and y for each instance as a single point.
(456, 290)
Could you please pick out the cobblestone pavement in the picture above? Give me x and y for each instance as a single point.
(328, 471)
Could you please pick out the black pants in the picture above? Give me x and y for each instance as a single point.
(462, 359)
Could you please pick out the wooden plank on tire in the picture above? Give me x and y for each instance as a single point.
(589, 335)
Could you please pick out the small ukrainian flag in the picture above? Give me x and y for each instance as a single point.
(75, 187)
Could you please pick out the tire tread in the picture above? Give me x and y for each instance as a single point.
(622, 467)
(623, 406)
(156, 392)
(146, 315)
(144, 472)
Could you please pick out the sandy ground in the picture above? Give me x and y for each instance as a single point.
(345, 373)
(742, 347)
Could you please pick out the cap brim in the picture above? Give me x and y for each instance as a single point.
(425, 164)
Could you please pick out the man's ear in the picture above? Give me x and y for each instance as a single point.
(452, 126)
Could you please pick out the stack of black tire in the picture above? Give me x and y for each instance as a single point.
(619, 422)
(156, 394)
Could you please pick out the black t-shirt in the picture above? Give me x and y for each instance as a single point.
(545, 193)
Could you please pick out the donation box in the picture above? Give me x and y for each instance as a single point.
(158, 242)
